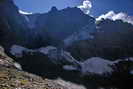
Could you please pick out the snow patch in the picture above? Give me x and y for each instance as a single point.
(27, 19)
(25, 13)
(131, 72)
(47, 49)
(130, 59)
(96, 65)
(17, 51)
(84, 34)
(68, 84)
(18, 66)
(69, 67)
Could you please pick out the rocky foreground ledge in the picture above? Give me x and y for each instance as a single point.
(12, 77)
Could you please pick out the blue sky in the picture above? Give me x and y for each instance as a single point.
(103, 6)
(44, 5)
(99, 6)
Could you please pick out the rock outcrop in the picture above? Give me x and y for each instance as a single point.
(12, 77)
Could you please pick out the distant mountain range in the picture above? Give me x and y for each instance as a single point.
(69, 40)
(53, 28)
(56, 25)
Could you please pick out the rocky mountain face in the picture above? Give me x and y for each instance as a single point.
(65, 45)
(64, 22)
(112, 40)
(13, 26)
(38, 28)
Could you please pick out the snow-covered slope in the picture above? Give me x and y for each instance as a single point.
(97, 65)
(55, 55)
(94, 65)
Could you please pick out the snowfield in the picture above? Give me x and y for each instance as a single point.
(17, 51)
(94, 65)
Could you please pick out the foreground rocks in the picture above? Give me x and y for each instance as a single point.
(11, 77)
(14, 79)
(93, 73)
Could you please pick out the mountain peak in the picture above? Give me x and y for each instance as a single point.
(54, 9)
